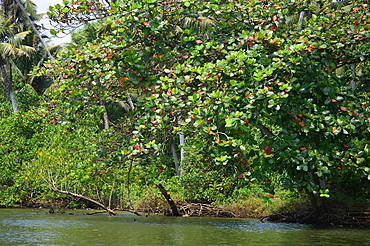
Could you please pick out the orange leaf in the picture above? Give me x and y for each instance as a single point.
(343, 108)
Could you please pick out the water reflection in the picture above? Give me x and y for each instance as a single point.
(28, 227)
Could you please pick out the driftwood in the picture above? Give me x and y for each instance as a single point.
(205, 210)
(110, 211)
(124, 210)
(172, 204)
(194, 209)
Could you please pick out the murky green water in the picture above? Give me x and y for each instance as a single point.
(35, 227)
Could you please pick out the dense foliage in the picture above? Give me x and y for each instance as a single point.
(274, 92)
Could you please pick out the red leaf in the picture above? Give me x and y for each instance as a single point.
(343, 108)
(302, 149)
(273, 28)
(267, 150)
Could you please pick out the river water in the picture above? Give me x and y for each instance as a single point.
(37, 227)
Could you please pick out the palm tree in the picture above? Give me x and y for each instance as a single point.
(18, 42)
(12, 48)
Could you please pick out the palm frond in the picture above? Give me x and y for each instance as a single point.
(27, 49)
(30, 7)
(17, 38)
(9, 50)
(6, 27)
(199, 25)
(57, 49)
(16, 69)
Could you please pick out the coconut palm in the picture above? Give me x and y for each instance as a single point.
(12, 48)
(18, 43)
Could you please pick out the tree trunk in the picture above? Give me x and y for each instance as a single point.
(181, 145)
(175, 158)
(172, 204)
(8, 87)
(129, 100)
(105, 115)
(301, 16)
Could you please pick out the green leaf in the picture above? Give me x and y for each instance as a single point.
(53, 32)
(229, 122)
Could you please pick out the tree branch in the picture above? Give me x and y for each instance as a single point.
(110, 211)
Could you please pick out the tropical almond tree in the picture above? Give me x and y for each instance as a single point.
(254, 69)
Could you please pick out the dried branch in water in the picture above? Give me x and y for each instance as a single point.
(110, 211)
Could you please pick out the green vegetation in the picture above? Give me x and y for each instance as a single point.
(235, 103)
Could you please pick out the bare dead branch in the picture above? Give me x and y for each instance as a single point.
(110, 211)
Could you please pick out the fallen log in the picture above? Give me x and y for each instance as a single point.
(109, 211)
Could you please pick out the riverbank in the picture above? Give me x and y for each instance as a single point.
(284, 207)
(275, 209)
(339, 215)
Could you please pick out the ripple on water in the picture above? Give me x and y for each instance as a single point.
(25, 227)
